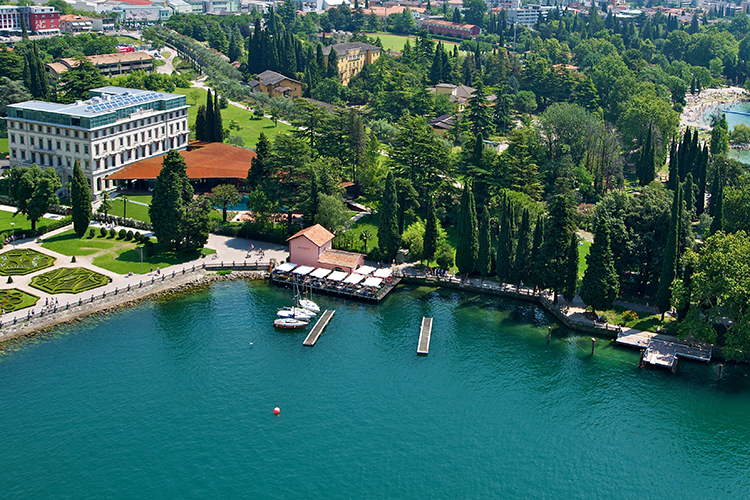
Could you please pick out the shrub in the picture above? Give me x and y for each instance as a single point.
(137, 237)
(122, 234)
(103, 232)
(129, 235)
(91, 233)
(10, 279)
(73, 259)
(630, 316)
(112, 233)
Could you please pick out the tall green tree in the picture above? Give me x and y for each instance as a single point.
(719, 135)
(80, 200)
(172, 193)
(671, 256)
(33, 191)
(200, 124)
(522, 261)
(571, 271)
(218, 135)
(389, 237)
(600, 284)
(718, 205)
(468, 243)
(224, 196)
(536, 264)
(506, 244)
(484, 254)
(431, 231)
(332, 70)
(210, 117)
(259, 171)
(75, 83)
(557, 239)
(196, 225)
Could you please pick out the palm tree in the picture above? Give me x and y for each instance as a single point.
(365, 236)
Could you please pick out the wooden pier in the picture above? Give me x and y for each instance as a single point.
(340, 291)
(663, 350)
(425, 332)
(319, 327)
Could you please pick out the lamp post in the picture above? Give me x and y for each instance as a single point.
(13, 233)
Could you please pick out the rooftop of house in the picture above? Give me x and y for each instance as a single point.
(316, 233)
(339, 258)
(343, 48)
(204, 160)
(269, 77)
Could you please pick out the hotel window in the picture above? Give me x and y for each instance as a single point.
(49, 144)
(85, 149)
(57, 143)
(20, 139)
(120, 141)
(76, 148)
(67, 146)
(13, 153)
(12, 138)
(75, 134)
(57, 131)
(104, 146)
(23, 154)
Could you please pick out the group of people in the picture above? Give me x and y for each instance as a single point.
(13, 237)
(261, 253)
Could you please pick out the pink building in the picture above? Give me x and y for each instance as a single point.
(312, 247)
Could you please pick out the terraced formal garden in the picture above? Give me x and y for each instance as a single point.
(117, 255)
(15, 300)
(69, 280)
(21, 261)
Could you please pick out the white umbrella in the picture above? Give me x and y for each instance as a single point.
(374, 282)
(286, 267)
(303, 270)
(364, 270)
(382, 273)
(353, 279)
(320, 273)
(337, 276)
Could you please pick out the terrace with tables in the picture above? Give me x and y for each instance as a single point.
(365, 283)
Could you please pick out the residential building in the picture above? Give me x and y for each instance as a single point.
(40, 20)
(112, 129)
(312, 246)
(352, 57)
(529, 15)
(71, 23)
(276, 85)
(448, 28)
(458, 94)
(109, 64)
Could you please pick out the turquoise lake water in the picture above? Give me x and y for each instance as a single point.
(169, 399)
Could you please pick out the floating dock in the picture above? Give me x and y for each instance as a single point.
(319, 327)
(425, 332)
(664, 350)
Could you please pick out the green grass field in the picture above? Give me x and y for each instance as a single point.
(166, 54)
(14, 300)
(134, 210)
(69, 280)
(397, 42)
(128, 40)
(583, 251)
(251, 128)
(116, 255)
(160, 62)
(21, 222)
(4, 147)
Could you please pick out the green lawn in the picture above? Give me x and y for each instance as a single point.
(166, 55)
(21, 222)
(134, 210)
(14, 300)
(69, 280)
(397, 42)
(370, 222)
(583, 251)
(3, 147)
(128, 40)
(159, 62)
(20, 261)
(251, 128)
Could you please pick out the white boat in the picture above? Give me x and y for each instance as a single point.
(294, 312)
(289, 323)
(309, 305)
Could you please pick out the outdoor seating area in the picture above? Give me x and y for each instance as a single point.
(366, 282)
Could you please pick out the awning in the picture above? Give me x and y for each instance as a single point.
(320, 273)
(303, 270)
(353, 279)
(364, 270)
(337, 276)
(286, 267)
(374, 282)
(382, 273)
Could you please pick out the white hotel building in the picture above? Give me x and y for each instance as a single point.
(112, 129)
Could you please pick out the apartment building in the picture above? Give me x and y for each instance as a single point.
(40, 20)
(112, 129)
(108, 64)
(352, 57)
(71, 23)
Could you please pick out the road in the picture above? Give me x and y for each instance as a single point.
(168, 68)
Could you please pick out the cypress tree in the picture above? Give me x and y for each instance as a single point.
(715, 187)
(718, 205)
(200, 123)
(332, 70)
(436, 70)
(669, 262)
(311, 207)
(556, 241)
(536, 264)
(259, 171)
(431, 231)
(600, 285)
(688, 190)
(320, 61)
(218, 135)
(700, 200)
(673, 167)
(172, 192)
(484, 257)
(209, 123)
(571, 272)
(523, 249)
(468, 244)
(24, 30)
(388, 235)
(505, 246)
(80, 200)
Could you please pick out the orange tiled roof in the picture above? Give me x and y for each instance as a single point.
(212, 160)
(317, 234)
(339, 258)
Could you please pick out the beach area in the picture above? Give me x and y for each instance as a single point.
(700, 107)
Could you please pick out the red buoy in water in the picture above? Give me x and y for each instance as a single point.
(276, 411)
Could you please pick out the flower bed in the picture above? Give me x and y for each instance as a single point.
(22, 261)
(69, 280)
